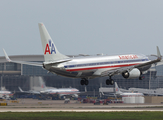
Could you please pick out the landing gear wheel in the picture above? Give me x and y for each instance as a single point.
(86, 82)
(111, 82)
(82, 82)
(107, 82)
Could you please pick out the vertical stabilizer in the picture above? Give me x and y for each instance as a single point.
(42, 83)
(117, 91)
(20, 89)
(49, 49)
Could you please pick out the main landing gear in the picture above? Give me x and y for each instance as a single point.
(84, 82)
(110, 81)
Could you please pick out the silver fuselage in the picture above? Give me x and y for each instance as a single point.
(5, 92)
(63, 91)
(85, 67)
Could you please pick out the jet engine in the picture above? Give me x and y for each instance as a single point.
(134, 73)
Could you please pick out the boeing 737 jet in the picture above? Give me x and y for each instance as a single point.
(89, 67)
(4, 94)
(156, 92)
(60, 91)
(125, 94)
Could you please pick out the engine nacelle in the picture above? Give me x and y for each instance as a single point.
(134, 73)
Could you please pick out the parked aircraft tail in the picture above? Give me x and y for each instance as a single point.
(117, 90)
(42, 83)
(38, 83)
(20, 89)
(49, 49)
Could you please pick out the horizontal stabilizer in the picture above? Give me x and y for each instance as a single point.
(56, 62)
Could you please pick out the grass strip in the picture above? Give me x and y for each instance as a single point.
(82, 115)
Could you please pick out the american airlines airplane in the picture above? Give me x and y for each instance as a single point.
(125, 94)
(89, 67)
(154, 92)
(46, 90)
(5, 94)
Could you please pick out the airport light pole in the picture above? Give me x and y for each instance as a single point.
(150, 80)
(2, 77)
(1, 82)
(94, 92)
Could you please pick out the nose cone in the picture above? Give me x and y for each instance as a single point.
(77, 90)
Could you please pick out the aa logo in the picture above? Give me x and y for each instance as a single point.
(50, 48)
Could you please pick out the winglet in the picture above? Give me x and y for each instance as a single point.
(159, 57)
(7, 58)
(158, 53)
(20, 89)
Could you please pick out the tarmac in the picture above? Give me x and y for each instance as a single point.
(33, 105)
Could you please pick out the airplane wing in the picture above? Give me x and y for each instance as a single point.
(22, 62)
(35, 63)
(156, 94)
(121, 70)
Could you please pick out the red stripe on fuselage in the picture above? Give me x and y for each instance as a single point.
(111, 66)
(64, 93)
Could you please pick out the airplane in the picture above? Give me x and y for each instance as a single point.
(156, 92)
(118, 92)
(46, 90)
(125, 94)
(4, 94)
(89, 67)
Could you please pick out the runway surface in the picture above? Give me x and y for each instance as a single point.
(74, 110)
(30, 105)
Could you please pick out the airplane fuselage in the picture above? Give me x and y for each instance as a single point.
(5, 92)
(63, 91)
(88, 67)
(131, 94)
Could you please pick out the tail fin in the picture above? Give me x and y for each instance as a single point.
(117, 91)
(20, 89)
(50, 51)
(38, 83)
(42, 83)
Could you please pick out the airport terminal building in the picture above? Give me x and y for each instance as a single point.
(14, 75)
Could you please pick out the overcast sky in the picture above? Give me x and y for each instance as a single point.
(82, 26)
